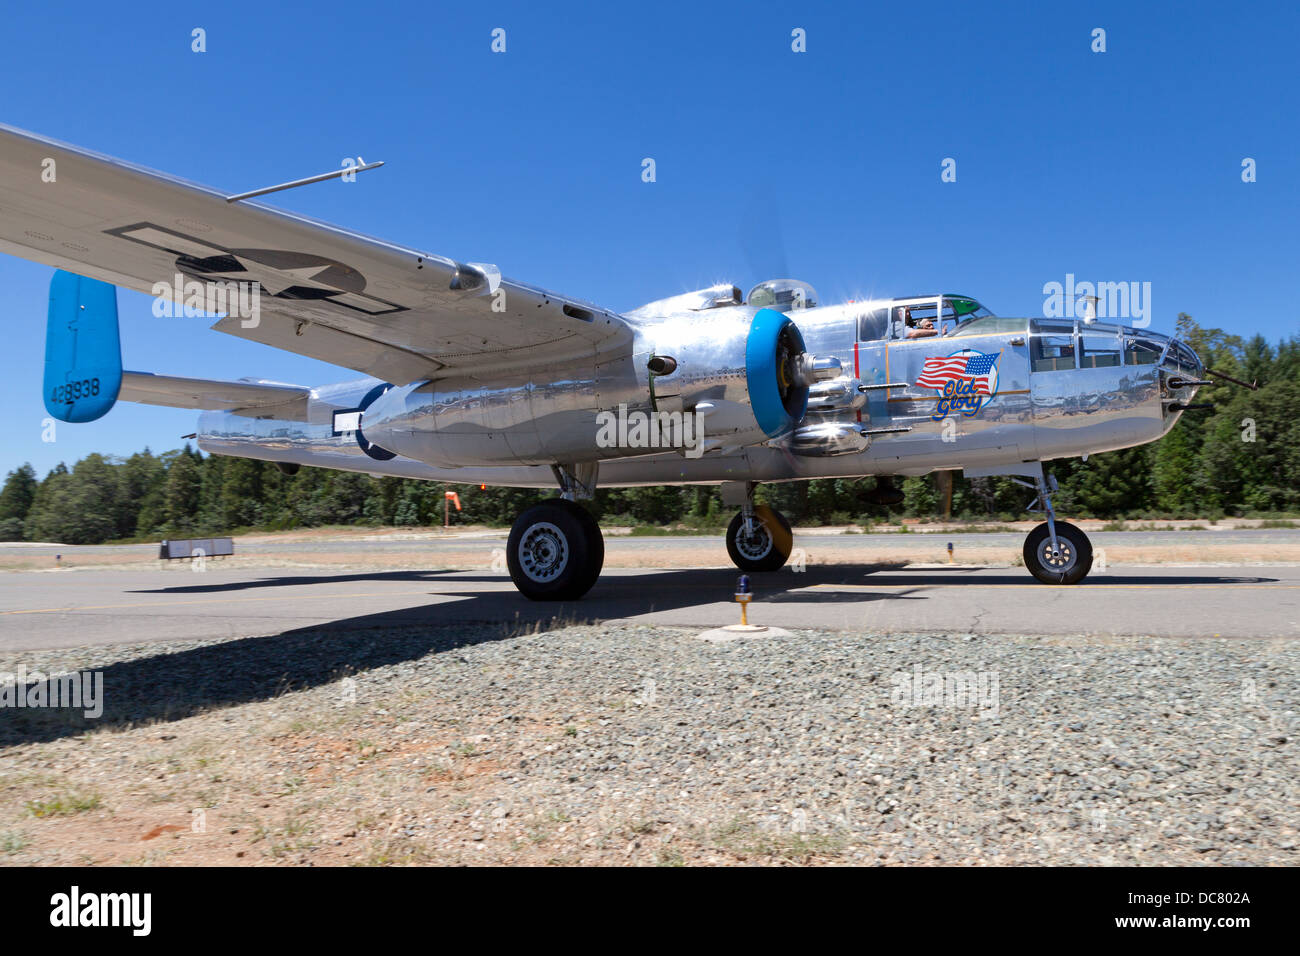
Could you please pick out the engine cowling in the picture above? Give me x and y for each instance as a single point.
(746, 373)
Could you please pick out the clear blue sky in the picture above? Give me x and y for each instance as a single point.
(1116, 166)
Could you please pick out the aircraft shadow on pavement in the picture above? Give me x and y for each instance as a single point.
(296, 580)
(165, 687)
(883, 575)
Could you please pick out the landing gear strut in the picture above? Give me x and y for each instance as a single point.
(758, 538)
(1056, 552)
(555, 551)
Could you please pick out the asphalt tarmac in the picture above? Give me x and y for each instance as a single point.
(830, 545)
(52, 609)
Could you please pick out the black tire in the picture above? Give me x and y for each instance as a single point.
(770, 547)
(595, 543)
(555, 551)
(1076, 554)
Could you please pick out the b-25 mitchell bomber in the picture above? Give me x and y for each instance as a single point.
(472, 377)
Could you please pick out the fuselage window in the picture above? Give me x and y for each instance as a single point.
(1099, 351)
(1182, 355)
(1142, 352)
(1052, 352)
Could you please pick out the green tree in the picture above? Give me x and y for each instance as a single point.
(181, 495)
(16, 501)
(241, 495)
(143, 478)
(1174, 471)
(78, 507)
(1113, 484)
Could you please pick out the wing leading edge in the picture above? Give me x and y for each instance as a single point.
(386, 310)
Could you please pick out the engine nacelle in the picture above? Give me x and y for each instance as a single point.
(745, 372)
(724, 378)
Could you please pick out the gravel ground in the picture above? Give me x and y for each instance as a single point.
(634, 745)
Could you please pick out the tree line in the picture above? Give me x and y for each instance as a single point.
(1241, 458)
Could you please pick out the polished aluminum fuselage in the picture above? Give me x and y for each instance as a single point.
(509, 430)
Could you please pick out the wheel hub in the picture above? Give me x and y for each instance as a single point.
(1063, 560)
(543, 552)
(756, 546)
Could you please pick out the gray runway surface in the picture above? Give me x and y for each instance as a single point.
(65, 609)
(477, 545)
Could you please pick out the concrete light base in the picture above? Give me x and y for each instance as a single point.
(735, 632)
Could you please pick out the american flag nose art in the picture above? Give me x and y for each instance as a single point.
(976, 368)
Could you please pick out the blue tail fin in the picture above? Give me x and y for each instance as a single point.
(83, 352)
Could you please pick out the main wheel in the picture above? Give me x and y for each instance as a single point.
(767, 548)
(555, 551)
(1070, 566)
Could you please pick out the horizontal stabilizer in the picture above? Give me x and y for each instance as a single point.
(254, 399)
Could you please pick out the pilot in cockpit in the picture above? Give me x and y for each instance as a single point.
(902, 321)
(923, 329)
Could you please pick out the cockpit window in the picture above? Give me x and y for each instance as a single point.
(873, 325)
(987, 324)
(962, 308)
(923, 317)
(914, 321)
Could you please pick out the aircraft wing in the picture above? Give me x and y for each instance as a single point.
(255, 399)
(397, 313)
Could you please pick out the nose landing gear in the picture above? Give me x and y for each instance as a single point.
(759, 537)
(1056, 552)
(760, 541)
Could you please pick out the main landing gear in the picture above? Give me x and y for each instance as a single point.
(555, 551)
(1056, 552)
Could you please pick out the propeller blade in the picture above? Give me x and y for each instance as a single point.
(762, 238)
(886, 493)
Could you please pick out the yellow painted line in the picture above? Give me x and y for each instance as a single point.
(221, 600)
(1086, 587)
